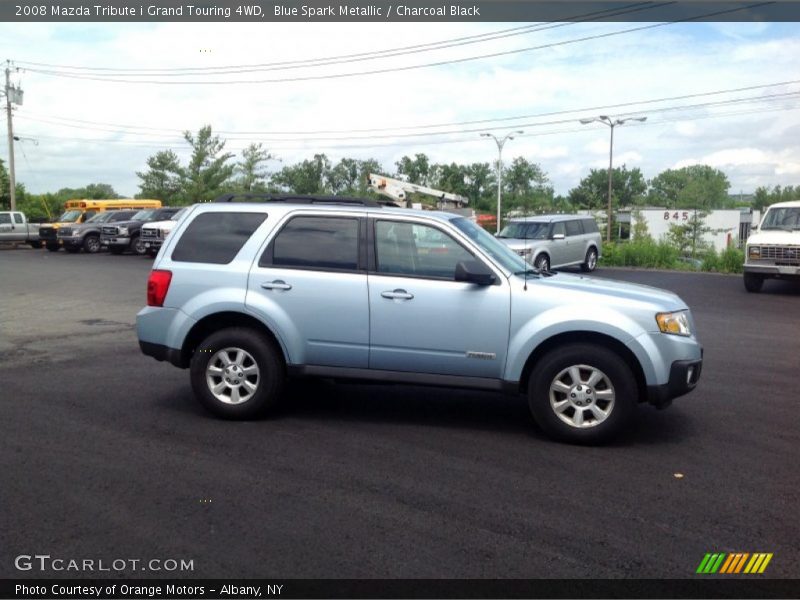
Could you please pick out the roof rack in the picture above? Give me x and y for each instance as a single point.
(297, 199)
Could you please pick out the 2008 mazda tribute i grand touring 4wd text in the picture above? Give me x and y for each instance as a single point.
(248, 294)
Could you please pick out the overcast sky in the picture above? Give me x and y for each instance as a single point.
(103, 131)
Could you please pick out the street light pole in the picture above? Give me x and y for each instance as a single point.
(500, 143)
(605, 120)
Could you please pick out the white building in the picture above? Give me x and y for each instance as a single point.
(729, 227)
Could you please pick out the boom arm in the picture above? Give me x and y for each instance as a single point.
(398, 190)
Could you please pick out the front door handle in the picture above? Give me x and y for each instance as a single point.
(397, 295)
(278, 284)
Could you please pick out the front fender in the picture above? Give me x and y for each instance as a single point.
(563, 319)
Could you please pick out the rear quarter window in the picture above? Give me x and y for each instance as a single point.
(574, 228)
(216, 237)
(589, 226)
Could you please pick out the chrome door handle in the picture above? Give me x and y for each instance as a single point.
(397, 295)
(278, 284)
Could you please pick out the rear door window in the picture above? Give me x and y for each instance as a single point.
(18, 219)
(319, 243)
(216, 237)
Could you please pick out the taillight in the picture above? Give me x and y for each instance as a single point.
(157, 287)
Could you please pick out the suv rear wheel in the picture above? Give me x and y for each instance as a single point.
(590, 262)
(237, 373)
(582, 393)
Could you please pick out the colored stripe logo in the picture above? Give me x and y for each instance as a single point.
(734, 563)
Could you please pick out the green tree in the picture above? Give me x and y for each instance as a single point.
(416, 170)
(162, 180)
(765, 196)
(688, 237)
(308, 177)
(696, 186)
(252, 174)
(480, 185)
(525, 186)
(627, 188)
(349, 176)
(208, 171)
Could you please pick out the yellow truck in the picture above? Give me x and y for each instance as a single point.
(78, 211)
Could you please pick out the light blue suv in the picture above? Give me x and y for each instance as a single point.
(247, 294)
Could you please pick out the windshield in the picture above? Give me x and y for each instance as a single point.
(70, 216)
(787, 218)
(177, 216)
(532, 230)
(143, 215)
(497, 250)
(100, 217)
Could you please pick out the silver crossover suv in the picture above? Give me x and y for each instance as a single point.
(553, 241)
(247, 294)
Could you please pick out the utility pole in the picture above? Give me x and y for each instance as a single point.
(11, 178)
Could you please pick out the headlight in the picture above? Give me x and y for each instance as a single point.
(754, 252)
(122, 231)
(676, 323)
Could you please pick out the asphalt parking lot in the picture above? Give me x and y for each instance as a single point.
(105, 454)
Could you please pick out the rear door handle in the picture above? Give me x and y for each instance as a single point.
(397, 295)
(278, 284)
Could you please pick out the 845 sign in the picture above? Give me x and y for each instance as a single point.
(676, 216)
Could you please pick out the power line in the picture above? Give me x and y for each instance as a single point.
(400, 68)
(357, 57)
(751, 99)
(460, 140)
(440, 125)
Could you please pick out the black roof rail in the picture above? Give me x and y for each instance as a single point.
(296, 199)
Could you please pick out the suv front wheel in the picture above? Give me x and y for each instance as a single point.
(237, 373)
(582, 393)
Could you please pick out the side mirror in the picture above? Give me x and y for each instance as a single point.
(472, 271)
(754, 227)
(558, 236)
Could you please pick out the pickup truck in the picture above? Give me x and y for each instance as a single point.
(14, 227)
(773, 252)
(155, 232)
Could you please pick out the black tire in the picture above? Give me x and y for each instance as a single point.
(268, 383)
(91, 243)
(555, 366)
(590, 262)
(151, 253)
(542, 262)
(137, 246)
(53, 247)
(116, 249)
(36, 244)
(753, 282)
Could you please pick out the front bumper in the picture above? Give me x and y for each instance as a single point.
(115, 240)
(153, 244)
(683, 378)
(768, 270)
